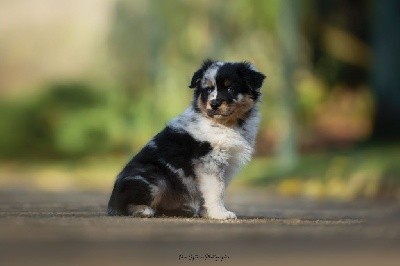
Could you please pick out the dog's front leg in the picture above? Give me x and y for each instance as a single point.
(212, 189)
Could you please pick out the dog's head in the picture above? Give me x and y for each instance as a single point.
(226, 92)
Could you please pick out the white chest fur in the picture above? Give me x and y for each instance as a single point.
(232, 147)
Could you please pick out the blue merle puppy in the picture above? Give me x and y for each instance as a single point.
(185, 168)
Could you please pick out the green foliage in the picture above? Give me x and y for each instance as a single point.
(14, 119)
(67, 120)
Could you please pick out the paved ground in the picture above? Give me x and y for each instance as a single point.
(38, 228)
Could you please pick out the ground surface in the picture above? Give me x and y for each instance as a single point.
(70, 228)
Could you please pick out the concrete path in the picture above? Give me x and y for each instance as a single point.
(71, 228)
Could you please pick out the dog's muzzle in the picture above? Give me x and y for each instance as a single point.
(215, 104)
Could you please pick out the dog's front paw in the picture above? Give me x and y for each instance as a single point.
(221, 215)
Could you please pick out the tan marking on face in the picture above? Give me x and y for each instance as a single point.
(224, 108)
(202, 106)
(209, 83)
(227, 82)
(229, 114)
(238, 110)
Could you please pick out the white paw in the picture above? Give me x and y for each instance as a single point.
(142, 211)
(221, 215)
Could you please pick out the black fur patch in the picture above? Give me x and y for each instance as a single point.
(176, 148)
(250, 78)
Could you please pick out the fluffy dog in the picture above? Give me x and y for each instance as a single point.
(185, 168)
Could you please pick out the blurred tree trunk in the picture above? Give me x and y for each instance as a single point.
(288, 31)
(386, 67)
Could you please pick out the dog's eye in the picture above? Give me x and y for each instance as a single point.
(210, 89)
(231, 90)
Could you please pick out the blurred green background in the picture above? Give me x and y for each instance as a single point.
(85, 84)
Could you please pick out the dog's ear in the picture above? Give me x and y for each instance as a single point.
(252, 78)
(198, 75)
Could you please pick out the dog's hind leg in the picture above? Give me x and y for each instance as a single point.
(131, 196)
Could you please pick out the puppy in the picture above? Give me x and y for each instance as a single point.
(185, 168)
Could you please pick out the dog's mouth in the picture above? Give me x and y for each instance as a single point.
(217, 114)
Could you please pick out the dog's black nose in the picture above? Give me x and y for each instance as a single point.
(215, 103)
